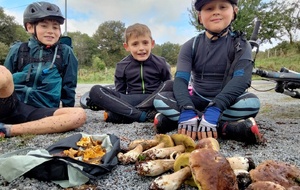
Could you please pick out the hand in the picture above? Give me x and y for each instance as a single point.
(188, 123)
(206, 129)
(208, 124)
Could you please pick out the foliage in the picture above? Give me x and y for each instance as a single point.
(10, 31)
(3, 52)
(98, 64)
(84, 47)
(109, 40)
(170, 51)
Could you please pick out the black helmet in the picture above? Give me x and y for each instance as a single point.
(199, 3)
(40, 10)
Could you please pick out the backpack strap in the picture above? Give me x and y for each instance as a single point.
(196, 42)
(24, 58)
(234, 56)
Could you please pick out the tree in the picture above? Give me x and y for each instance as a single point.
(10, 31)
(289, 19)
(109, 40)
(84, 48)
(3, 52)
(170, 52)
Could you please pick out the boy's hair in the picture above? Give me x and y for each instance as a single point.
(136, 30)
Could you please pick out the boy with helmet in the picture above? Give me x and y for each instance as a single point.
(219, 61)
(32, 87)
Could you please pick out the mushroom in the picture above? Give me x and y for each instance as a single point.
(209, 142)
(155, 167)
(211, 170)
(281, 173)
(172, 181)
(241, 164)
(265, 185)
(183, 143)
(130, 156)
(140, 145)
(181, 162)
(163, 141)
(147, 143)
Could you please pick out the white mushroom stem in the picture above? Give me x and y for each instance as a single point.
(160, 145)
(130, 156)
(146, 143)
(154, 167)
(172, 181)
(240, 163)
(164, 152)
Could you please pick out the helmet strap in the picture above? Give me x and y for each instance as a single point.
(220, 34)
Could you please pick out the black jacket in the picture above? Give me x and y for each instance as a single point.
(135, 77)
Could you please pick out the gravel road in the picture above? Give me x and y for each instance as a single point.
(279, 121)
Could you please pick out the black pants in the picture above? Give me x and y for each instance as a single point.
(13, 111)
(128, 105)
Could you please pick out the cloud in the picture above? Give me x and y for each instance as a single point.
(167, 19)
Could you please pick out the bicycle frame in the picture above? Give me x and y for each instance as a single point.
(287, 81)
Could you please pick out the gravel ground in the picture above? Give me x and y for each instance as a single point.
(278, 119)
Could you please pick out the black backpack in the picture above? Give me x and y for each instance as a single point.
(24, 57)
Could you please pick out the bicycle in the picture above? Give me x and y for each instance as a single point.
(287, 81)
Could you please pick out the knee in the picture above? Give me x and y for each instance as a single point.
(79, 117)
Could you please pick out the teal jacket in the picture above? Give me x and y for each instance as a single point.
(40, 83)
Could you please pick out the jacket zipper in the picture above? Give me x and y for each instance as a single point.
(142, 77)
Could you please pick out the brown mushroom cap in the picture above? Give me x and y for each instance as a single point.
(211, 170)
(209, 142)
(281, 173)
(265, 185)
(181, 139)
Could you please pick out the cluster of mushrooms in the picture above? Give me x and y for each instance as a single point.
(177, 159)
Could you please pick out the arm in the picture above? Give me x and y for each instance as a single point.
(240, 81)
(69, 78)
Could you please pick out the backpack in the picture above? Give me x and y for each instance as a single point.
(235, 53)
(24, 58)
(49, 165)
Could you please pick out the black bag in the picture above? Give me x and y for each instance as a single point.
(56, 169)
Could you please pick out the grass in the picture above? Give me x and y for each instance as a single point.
(290, 61)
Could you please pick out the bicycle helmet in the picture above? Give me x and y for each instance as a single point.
(38, 11)
(199, 3)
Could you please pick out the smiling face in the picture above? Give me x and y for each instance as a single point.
(139, 46)
(217, 15)
(47, 31)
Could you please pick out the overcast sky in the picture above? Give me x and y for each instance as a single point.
(167, 19)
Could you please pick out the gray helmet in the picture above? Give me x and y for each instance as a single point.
(199, 3)
(38, 11)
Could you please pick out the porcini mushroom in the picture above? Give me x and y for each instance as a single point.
(183, 143)
(211, 170)
(163, 141)
(181, 162)
(172, 181)
(241, 164)
(130, 156)
(155, 167)
(140, 145)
